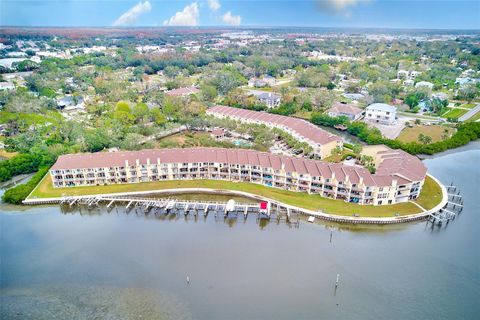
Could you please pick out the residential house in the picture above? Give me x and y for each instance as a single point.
(345, 110)
(354, 96)
(70, 102)
(408, 75)
(265, 81)
(424, 84)
(463, 81)
(4, 85)
(218, 133)
(3, 130)
(381, 113)
(272, 100)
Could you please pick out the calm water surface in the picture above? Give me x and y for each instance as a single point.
(118, 266)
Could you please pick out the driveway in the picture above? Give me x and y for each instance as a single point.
(389, 131)
(470, 113)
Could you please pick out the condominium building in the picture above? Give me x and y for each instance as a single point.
(399, 177)
(321, 141)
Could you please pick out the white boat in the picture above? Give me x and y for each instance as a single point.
(311, 219)
(170, 205)
(230, 205)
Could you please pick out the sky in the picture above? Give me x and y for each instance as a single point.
(411, 14)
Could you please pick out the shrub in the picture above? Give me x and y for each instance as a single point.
(466, 132)
(19, 193)
(21, 164)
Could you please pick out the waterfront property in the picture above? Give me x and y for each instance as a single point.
(321, 141)
(399, 176)
(162, 234)
(345, 110)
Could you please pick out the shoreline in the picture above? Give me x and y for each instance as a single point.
(317, 214)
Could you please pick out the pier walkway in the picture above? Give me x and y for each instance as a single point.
(167, 206)
(450, 205)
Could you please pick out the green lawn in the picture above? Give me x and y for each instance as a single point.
(468, 105)
(338, 157)
(303, 114)
(454, 113)
(303, 200)
(431, 194)
(436, 132)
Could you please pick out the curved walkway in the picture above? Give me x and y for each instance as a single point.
(317, 214)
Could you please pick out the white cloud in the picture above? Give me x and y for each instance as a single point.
(214, 5)
(231, 20)
(187, 17)
(338, 6)
(132, 14)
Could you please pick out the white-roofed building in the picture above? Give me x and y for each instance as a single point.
(270, 99)
(4, 85)
(381, 113)
(424, 84)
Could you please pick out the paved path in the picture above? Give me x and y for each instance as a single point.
(391, 131)
(470, 113)
(424, 118)
(281, 82)
(318, 214)
(423, 209)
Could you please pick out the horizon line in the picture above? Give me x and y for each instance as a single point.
(239, 27)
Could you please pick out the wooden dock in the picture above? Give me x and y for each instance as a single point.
(229, 209)
(452, 208)
(446, 210)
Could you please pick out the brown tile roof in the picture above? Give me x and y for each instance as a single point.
(300, 126)
(340, 108)
(401, 166)
(217, 132)
(220, 155)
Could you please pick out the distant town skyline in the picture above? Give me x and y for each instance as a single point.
(424, 14)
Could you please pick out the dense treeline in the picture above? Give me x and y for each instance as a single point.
(19, 193)
(466, 132)
(21, 164)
